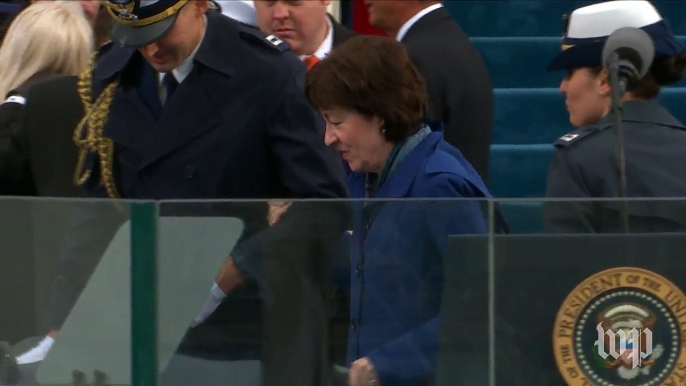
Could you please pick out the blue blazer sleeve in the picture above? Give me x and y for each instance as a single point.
(413, 355)
(408, 358)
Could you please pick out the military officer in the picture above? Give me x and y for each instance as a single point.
(191, 104)
(584, 165)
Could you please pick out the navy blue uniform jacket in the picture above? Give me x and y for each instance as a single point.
(584, 168)
(238, 127)
(397, 258)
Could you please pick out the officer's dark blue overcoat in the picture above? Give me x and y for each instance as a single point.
(238, 127)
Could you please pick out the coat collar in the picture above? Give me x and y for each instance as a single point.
(23, 90)
(222, 36)
(643, 112)
(326, 46)
(429, 20)
(340, 33)
(400, 181)
(414, 19)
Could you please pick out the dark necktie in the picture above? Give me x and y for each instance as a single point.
(170, 84)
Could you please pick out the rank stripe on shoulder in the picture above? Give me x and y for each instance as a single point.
(271, 41)
(569, 137)
(16, 99)
(574, 136)
(274, 40)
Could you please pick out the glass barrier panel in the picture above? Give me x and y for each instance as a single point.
(582, 293)
(307, 291)
(64, 292)
(426, 292)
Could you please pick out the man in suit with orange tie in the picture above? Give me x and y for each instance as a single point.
(456, 78)
(304, 24)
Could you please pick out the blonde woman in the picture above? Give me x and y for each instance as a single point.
(48, 38)
(90, 7)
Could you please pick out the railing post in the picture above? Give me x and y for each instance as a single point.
(144, 294)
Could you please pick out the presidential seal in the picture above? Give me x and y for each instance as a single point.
(622, 326)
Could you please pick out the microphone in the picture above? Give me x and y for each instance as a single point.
(627, 56)
(630, 51)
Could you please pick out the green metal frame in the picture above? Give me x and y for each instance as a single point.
(144, 364)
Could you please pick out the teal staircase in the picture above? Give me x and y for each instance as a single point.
(517, 39)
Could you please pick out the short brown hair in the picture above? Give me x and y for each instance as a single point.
(373, 76)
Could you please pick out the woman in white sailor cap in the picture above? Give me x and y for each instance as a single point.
(584, 165)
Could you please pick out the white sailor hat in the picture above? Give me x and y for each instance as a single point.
(240, 10)
(587, 29)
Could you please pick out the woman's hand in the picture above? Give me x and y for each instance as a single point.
(362, 373)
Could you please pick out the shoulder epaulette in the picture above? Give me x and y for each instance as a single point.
(575, 136)
(255, 35)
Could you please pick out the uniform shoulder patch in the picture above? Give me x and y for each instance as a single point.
(257, 36)
(15, 99)
(575, 136)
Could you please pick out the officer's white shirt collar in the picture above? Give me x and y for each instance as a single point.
(327, 45)
(408, 24)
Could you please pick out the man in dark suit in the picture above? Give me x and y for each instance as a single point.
(459, 88)
(304, 25)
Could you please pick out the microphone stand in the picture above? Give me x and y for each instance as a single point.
(618, 89)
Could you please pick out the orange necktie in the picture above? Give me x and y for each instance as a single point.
(310, 61)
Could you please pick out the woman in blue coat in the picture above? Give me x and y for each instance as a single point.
(374, 103)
